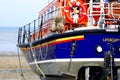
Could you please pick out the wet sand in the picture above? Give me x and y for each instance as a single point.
(10, 69)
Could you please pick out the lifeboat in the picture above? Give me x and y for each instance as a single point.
(63, 45)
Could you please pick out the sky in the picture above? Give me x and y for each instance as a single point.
(19, 12)
(16, 13)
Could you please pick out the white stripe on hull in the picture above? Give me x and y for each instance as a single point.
(60, 66)
(75, 60)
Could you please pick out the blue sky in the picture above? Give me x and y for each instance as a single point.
(19, 12)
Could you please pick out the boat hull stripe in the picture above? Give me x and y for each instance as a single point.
(75, 60)
(57, 41)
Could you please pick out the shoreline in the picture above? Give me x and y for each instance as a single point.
(10, 60)
(10, 53)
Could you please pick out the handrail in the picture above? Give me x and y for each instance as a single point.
(34, 26)
(115, 8)
(98, 5)
(114, 16)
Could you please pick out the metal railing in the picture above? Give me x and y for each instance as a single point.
(25, 32)
(113, 7)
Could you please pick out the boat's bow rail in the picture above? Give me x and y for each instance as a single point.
(25, 33)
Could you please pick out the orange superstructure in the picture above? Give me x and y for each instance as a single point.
(55, 17)
(63, 15)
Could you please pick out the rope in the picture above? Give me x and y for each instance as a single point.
(36, 61)
(43, 58)
(33, 54)
(22, 75)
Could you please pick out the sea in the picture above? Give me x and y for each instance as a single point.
(8, 39)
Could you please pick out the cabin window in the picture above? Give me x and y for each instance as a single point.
(52, 10)
(44, 16)
(48, 15)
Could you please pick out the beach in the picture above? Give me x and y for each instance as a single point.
(10, 68)
(9, 62)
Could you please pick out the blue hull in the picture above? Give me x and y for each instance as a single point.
(86, 48)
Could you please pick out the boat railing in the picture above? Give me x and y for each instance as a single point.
(33, 30)
(101, 10)
(25, 32)
(49, 15)
(98, 8)
(114, 7)
(113, 17)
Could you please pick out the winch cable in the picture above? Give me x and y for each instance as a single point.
(46, 53)
(21, 70)
(35, 60)
(30, 44)
(33, 53)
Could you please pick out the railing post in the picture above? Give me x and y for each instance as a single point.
(29, 32)
(34, 29)
(19, 36)
(24, 35)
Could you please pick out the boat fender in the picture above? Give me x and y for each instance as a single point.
(60, 27)
(57, 24)
(53, 26)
